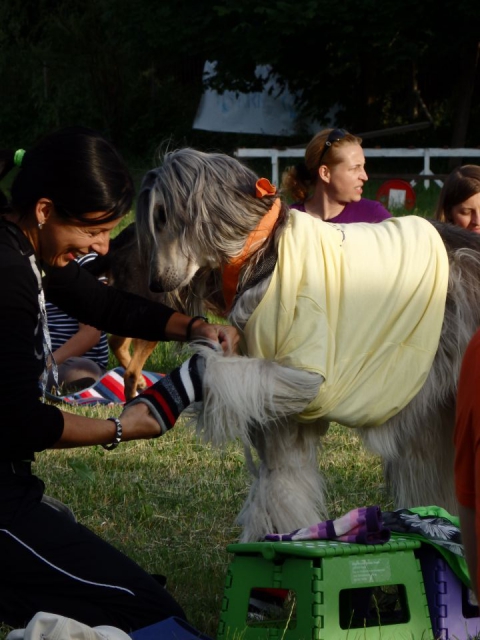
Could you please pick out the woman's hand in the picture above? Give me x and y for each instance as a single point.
(138, 422)
(181, 327)
(227, 336)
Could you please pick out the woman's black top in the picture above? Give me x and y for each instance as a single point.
(26, 423)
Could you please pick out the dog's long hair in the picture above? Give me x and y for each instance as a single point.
(196, 211)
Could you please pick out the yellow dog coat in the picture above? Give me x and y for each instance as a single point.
(360, 304)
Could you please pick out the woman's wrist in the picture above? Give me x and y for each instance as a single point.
(181, 327)
(190, 325)
(117, 438)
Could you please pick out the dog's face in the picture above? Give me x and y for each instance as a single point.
(162, 242)
(176, 252)
(191, 211)
(170, 267)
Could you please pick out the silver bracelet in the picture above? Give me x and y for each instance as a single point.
(118, 435)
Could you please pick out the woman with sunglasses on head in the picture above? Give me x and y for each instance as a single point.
(71, 190)
(459, 200)
(328, 184)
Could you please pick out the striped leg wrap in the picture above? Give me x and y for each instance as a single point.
(168, 397)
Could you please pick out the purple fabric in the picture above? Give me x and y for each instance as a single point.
(362, 526)
(362, 211)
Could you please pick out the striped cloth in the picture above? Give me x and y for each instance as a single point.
(62, 327)
(108, 390)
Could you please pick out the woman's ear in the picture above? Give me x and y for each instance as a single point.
(324, 173)
(43, 211)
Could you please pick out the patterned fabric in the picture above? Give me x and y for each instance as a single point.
(175, 392)
(108, 390)
(361, 526)
(368, 525)
(435, 526)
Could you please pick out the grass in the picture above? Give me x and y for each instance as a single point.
(170, 504)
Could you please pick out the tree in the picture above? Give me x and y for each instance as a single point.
(383, 62)
(121, 66)
(134, 68)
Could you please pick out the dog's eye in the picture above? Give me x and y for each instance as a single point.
(160, 218)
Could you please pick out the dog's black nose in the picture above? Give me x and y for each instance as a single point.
(155, 286)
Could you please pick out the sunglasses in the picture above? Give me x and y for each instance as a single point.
(334, 136)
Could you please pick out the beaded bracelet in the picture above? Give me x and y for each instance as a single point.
(190, 325)
(118, 435)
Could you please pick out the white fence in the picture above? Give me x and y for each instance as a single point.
(426, 154)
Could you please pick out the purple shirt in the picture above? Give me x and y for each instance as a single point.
(362, 211)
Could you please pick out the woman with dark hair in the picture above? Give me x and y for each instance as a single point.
(71, 190)
(459, 200)
(328, 184)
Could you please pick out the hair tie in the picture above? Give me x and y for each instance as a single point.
(264, 187)
(18, 157)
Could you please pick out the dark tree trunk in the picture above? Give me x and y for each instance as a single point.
(463, 92)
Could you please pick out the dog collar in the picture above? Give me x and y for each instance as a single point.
(232, 269)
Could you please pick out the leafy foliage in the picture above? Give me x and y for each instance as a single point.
(134, 69)
(383, 63)
(115, 65)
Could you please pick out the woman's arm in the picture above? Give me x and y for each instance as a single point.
(79, 344)
(180, 327)
(80, 431)
(78, 293)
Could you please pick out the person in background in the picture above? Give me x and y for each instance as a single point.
(467, 457)
(328, 184)
(459, 204)
(459, 200)
(71, 190)
(80, 351)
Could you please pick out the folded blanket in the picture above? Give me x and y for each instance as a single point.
(430, 525)
(108, 390)
(362, 526)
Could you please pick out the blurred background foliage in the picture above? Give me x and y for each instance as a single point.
(134, 69)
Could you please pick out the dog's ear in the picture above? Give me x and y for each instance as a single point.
(147, 204)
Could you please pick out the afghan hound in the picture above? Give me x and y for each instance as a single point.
(360, 324)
